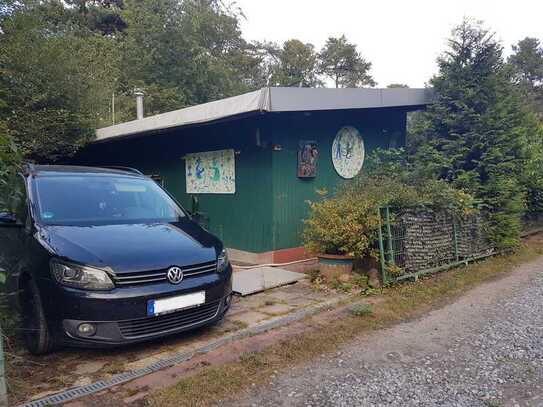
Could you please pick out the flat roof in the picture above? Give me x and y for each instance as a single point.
(270, 100)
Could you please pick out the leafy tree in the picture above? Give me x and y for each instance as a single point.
(341, 62)
(97, 16)
(55, 80)
(8, 6)
(296, 65)
(197, 55)
(61, 62)
(10, 160)
(102, 16)
(527, 63)
(476, 134)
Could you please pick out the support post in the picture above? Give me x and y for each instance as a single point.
(389, 233)
(381, 249)
(455, 237)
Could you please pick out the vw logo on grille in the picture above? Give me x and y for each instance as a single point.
(175, 275)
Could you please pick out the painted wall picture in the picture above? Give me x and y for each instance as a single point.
(348, 152)
(211, 172)
(308, 154)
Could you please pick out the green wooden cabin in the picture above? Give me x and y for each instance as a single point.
(265, 132)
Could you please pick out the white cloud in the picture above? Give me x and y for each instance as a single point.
(401, 38)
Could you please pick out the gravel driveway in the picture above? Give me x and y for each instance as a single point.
(486, 349)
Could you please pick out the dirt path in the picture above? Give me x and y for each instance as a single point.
(485, 349)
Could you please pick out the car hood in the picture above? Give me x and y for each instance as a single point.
(133, 247)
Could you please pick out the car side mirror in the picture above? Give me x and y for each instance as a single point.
(201, 219)
(8, 219)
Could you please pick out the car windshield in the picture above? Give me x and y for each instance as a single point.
(102, 199)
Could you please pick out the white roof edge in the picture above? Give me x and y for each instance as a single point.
(271, 100)
(206, 112)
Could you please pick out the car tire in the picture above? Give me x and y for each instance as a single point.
(36, 333)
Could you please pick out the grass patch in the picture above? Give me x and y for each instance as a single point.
(238, 325)
(360, 310)
(114, 367)
(356, 283)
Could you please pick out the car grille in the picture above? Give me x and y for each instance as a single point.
(146, 277)
(169, 322)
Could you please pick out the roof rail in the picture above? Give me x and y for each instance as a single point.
(128, 169)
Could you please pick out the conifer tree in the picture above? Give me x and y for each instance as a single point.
(476, 134)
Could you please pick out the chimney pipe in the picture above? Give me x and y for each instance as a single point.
(139, 103)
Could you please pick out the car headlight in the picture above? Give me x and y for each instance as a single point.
(222, 261)
(84, 277)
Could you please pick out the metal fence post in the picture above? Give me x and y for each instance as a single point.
(389, 233)
(455, 237)
(381, 249)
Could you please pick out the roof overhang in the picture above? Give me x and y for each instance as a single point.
(270, 100)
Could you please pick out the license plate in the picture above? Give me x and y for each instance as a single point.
(165, 305)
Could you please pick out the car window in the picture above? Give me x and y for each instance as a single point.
(102, 199)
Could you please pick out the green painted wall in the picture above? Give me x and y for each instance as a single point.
(242, 219)
(267, 209)
(290, 193)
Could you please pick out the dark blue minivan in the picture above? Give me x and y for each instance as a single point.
(101, 257)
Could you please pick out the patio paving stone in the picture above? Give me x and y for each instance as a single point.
(276, 309)
(89, 367)
(245, 312)
(250, 317)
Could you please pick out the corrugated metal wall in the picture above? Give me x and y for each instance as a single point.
(290, 193)
(267, 209)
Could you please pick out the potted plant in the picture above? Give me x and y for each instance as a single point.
(339, 230)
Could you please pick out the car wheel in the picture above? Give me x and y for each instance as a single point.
(37, 336)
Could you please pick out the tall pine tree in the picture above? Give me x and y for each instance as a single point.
(476, 134)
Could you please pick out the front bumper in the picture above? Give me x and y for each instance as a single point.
(120, 316)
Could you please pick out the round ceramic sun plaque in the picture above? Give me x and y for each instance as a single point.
(348, 152)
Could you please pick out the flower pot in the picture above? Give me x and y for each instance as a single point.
(333, 266)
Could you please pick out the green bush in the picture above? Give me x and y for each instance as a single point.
(360, 280)
(347, 223)
(340, 225)
(361, 309)
(10, 160)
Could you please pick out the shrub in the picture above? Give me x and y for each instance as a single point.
(360, 280)
(347, 223)
(10, 160)
(340, 225)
